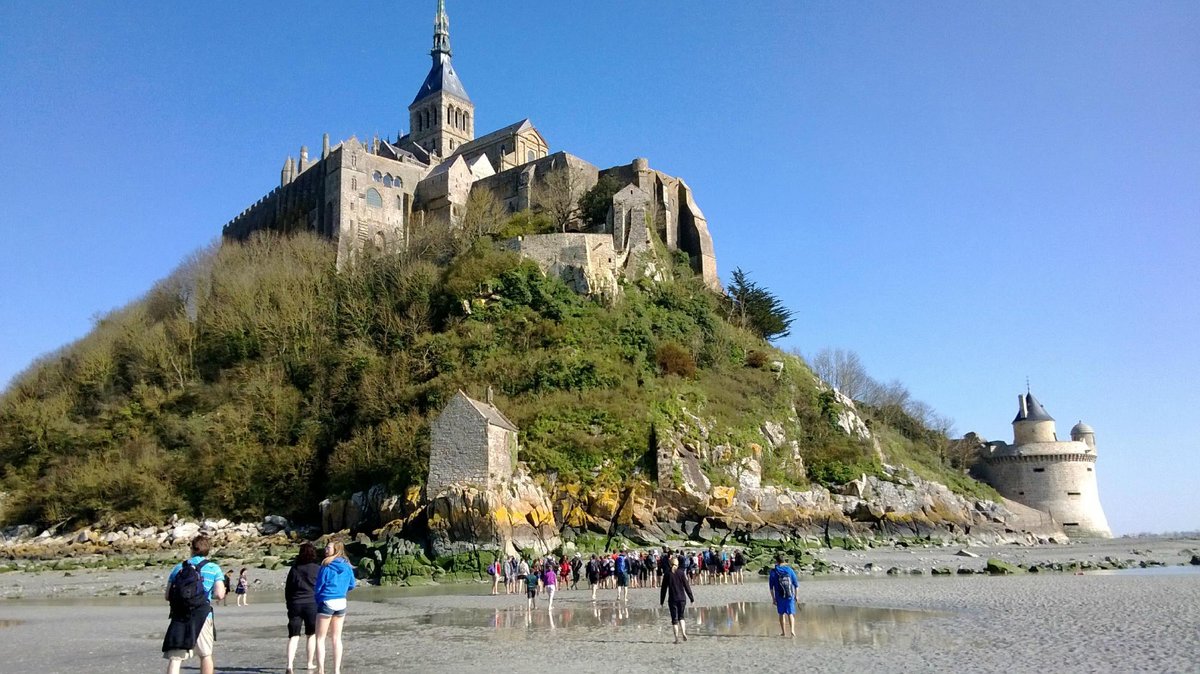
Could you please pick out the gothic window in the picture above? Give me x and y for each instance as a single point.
(387, 180)
(373, 198)
(377, 176)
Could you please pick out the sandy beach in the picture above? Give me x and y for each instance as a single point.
(1129, 621)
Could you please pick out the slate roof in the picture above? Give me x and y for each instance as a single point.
(1034, 411)
(495, 135)
(489, 412)
(441, 77)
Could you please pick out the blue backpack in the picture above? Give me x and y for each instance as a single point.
(187, 593)
(621, 564)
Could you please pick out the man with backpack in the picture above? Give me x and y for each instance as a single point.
(191, 587)
(783, 582)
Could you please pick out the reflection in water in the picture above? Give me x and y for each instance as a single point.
(814, 623)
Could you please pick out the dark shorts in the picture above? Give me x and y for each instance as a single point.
(531, 592)
(622, 579)
(676, 608)
(786, 606)
(302, 615)
(325, 610)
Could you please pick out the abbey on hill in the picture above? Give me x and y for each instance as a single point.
(372, 193)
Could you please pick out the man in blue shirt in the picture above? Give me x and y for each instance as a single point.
(783, 583)
(214, 586)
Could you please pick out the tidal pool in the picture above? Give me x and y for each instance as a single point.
(815, 623)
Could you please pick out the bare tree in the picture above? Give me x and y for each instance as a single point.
(483, 215)
(558, 193)
(842, 369)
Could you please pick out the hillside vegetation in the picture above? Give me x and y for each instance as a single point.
(257, 379)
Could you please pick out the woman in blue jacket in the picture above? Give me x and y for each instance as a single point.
(334, 581)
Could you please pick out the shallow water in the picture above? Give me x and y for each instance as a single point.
(1188, 570)
(815, 623)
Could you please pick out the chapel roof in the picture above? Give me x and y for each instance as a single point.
(489, 412)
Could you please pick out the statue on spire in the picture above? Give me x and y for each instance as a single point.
(441, 33)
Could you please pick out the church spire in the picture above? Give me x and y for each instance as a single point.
(441, 33)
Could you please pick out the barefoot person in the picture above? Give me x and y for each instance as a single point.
(298, 595)
(783, 582)
(677, 592)
(191, 587)
(243, 587)
(334, 581)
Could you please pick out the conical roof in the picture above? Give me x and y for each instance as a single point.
(441, 77)
(1033, 411)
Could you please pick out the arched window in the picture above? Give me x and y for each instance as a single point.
(399, 202)
(373, 198)
(397, 183)
(377, 176)
(530, 155)
(387, 180)
(466, 121)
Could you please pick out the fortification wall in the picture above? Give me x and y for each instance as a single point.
(1061, 485)
(457, 436)
(585, 262)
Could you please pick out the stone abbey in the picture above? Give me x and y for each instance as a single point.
(373, 193)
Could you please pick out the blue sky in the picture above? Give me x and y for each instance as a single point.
(966, 194)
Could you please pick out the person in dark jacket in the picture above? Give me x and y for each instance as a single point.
(302, 604)
(678, 591)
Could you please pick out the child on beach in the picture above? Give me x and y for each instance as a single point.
(243, 586)
(532, 584)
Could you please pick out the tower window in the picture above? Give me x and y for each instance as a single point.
(1070, 524)
(373, 198)
(1073, 493)
(1039, 470)
(1089, 470)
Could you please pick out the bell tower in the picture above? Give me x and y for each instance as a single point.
(442, 116)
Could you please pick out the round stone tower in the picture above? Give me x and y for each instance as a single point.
(1053, 476)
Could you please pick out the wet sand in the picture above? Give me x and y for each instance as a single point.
(1126, 622)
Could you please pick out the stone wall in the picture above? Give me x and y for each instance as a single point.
(585, 262)
(1062, 485)
(459, 448)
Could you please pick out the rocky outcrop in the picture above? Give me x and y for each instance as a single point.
(26, 542)
(463, 518)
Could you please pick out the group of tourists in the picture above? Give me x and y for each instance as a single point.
(315, 594)
(620, 570)
(316, 590)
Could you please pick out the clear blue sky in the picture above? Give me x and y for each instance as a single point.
(966, 194)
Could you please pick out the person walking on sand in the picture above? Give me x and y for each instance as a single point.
(334, 581)
(593, 574)
(622, 572)
(550, 578)
(532, 584)
(228, 587)
(782, 583)
(677, 592)
(494, 570)
(243, 586)
(191, 587)
(299, 597)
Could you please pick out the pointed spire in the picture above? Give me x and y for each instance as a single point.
(441, 33)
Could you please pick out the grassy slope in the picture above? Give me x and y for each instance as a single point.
(256, 380)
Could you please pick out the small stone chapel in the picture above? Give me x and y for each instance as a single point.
(471, 443)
